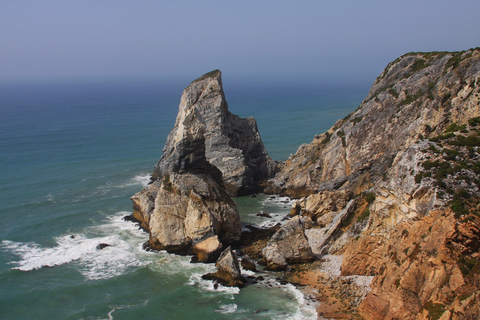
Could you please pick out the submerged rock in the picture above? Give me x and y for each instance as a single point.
(101, 246)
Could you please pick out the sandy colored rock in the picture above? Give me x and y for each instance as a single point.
(230, 143)
(208, 250)
(188, 209)
(288, 245)
(228, 268)
(409, 157)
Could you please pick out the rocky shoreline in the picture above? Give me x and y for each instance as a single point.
(386, 222)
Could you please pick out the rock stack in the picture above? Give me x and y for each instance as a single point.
(209, 155)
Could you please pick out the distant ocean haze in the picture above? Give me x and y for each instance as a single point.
(72, 154)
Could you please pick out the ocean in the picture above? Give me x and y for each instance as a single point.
(72, 155)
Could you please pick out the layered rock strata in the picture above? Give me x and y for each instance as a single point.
(406, 162)
(417, 96)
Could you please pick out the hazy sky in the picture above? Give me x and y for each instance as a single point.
(322, 39)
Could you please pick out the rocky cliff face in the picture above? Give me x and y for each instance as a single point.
(417, 96)
(406, 162)
(231, 144)
(210, 154)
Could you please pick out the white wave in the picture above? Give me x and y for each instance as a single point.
(142, 179)
(124, 250)
(274, 220)
(110, 313)
(302, 308)
(210, 286)
(281, 202)
(139, 180)
(306, 309)
(281, 209)
(227, 308)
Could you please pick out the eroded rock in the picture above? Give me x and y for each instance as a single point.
(228, 270)
(248, 263)
(208, 250)
(288, 245)
(232, 144)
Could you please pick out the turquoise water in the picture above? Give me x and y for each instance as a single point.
(72, 154)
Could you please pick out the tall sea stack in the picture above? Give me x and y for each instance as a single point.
(232, 144)
(210, 154)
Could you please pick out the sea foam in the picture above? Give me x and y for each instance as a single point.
(124, 250)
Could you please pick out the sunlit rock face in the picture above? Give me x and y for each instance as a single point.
(232, 144)
(406, 163)
(209, 155)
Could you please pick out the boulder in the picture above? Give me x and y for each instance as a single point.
(228, 270)
(189, 208)
(288, 245)
(248, 264)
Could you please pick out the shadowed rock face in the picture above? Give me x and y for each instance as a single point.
(231, 144)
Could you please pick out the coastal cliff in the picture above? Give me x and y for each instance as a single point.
(387, 220)
(393, 190)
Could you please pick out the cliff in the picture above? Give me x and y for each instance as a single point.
(390, 195)
(394, 189)
(417, 96)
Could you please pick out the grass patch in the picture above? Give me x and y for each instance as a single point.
(474, 121)
(357, 120)
(458, 203)
(364, 215)
(409, 98)
(453, 127)
(419, 64)
(443, 137)
(393, 92)
(167, 184)
(446, 97)
(454, 61)
(370, 197)
(451, 154)
(327, 138)
(467, 264)
(435, 310)
(469, 141)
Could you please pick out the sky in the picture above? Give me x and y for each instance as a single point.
(290, 40)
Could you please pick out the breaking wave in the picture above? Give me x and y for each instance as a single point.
(101, 252)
